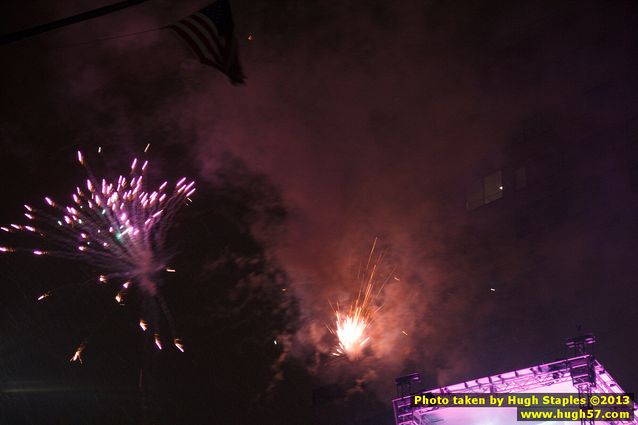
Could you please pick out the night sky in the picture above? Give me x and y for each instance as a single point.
(358, 120)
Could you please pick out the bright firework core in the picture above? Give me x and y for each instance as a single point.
(351, 327)
(351, 333)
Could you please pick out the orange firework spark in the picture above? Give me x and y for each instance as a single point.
(351, 328)
(77, 357)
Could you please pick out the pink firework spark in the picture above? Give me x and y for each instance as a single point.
(116, 226)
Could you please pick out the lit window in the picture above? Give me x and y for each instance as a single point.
(485, 190)
(493, 187)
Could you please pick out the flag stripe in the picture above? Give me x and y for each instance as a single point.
(209, 34)
(209, 30)
(200, 39)
(178, 28)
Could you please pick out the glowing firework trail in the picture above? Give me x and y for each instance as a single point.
(351, 327)
(116, 226)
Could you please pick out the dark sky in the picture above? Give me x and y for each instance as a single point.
(359, 119)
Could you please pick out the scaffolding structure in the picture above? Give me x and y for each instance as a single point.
(584, 372)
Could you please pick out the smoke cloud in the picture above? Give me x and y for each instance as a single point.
(369, 117)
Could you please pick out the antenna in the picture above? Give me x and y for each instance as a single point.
(580, 343)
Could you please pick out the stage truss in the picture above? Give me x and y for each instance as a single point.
(576, 374)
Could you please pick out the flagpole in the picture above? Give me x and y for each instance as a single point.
(108, 38)
(91, 14)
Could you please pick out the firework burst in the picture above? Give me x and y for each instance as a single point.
(351, 326)
(118, 227)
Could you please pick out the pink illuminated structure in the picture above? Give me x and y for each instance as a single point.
(579, 374)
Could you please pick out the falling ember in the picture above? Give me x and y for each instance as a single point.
(118, 227)
(170, 270)
(43, 296)
(178, 344)
(351, 327)
(78, 354)
(158, 342)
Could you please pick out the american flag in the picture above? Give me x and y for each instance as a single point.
(209, 34)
